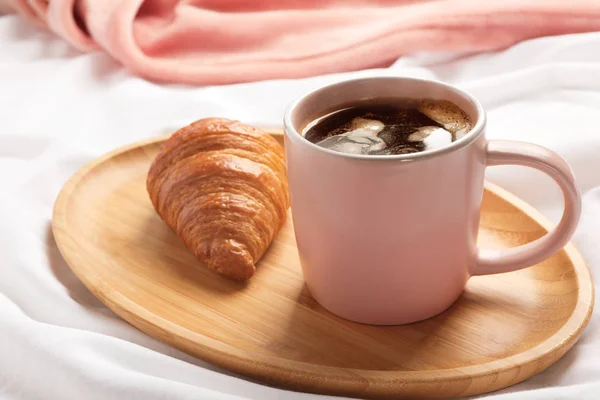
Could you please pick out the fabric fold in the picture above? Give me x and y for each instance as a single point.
(218, 42)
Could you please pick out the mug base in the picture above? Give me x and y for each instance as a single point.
(391, 320)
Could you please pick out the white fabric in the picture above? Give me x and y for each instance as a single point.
(59, 109)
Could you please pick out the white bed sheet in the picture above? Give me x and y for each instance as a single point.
(60, 108)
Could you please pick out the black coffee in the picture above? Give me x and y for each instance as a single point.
(389, 126)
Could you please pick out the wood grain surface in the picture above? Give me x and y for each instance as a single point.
(502, 330)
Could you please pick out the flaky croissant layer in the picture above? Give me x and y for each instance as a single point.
(221, 186)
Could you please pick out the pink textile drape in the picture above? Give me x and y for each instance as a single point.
(226, 41)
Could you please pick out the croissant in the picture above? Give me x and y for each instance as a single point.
(221, 186)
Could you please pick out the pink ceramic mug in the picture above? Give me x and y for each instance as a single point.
(392, 239)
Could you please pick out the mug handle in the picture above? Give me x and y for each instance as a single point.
(502, 152)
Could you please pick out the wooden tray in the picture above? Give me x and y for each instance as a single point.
(503, 329)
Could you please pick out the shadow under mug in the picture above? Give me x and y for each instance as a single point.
(391, 240)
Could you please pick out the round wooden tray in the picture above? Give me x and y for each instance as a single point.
(502, 330)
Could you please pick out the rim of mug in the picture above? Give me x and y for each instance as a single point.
(291, 133)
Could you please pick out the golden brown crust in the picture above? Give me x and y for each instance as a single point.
(222, 187)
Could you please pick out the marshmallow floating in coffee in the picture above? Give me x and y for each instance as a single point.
(448, 115)
(369, 125)
(432, 137)
(362, 139)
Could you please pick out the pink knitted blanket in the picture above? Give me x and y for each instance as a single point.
(225, 41)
